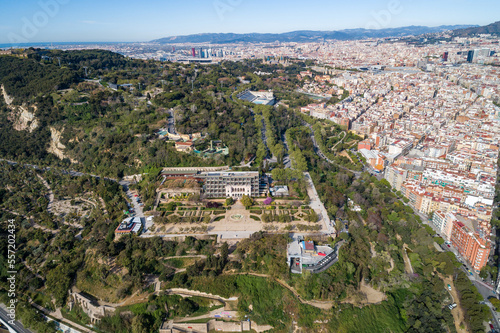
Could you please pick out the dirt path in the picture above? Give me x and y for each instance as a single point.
(188, 292)
(335, 146)
(51, 193)
(45, 229)
(59, 317)
(136, 297)
(458, 312)
(201, 256)
(326, 305)
(211, 314)
(408, 267)
(361, 218)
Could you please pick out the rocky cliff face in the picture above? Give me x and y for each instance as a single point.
(56, 147)
(24, 118)
(21, 116)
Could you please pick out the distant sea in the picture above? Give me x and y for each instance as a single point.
(48, 45)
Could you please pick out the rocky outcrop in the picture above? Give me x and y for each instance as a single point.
(24, 119)
(20, 116)
(56, 147)
(8, 100)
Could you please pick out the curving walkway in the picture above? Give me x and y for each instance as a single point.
(188, 292)
(59, 317)
(335, 146)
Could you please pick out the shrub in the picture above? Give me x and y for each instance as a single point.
(268, 201)
(212, 204)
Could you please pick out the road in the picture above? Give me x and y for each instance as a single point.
(65, 172)
(136, 205)
(171, 122)
(17, 327)
(263, 135)
(318, 206)
(132, 196)
(287, 161)
(484, 289)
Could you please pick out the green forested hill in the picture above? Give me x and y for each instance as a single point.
(24, 79)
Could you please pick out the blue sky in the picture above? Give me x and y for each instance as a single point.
(112, 20)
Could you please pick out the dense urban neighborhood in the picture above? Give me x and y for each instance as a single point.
(322, 186)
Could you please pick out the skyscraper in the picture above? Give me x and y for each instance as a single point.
(470, 55)
(193, 52)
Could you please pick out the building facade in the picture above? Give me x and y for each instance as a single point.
(470, 245)
(231, 184)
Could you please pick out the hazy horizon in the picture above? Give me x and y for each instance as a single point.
(46, 21)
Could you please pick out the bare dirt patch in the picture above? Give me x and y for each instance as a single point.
(365, 295)
(76, 207)
(373, 296)
(21, 117)
(8, 100)
(56, 147)
(458, 312)
(344, 153)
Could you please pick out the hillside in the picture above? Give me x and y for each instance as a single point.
(493, 28)
(306, 35)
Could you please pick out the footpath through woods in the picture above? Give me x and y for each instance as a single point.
(325, 305)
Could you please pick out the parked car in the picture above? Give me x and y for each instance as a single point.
(449, 287)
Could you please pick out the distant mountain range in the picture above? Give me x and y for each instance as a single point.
(493, 29)
(308, 35)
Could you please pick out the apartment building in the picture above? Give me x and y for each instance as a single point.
(470, 245)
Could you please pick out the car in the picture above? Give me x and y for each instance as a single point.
(448, 245)
(449, 287)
